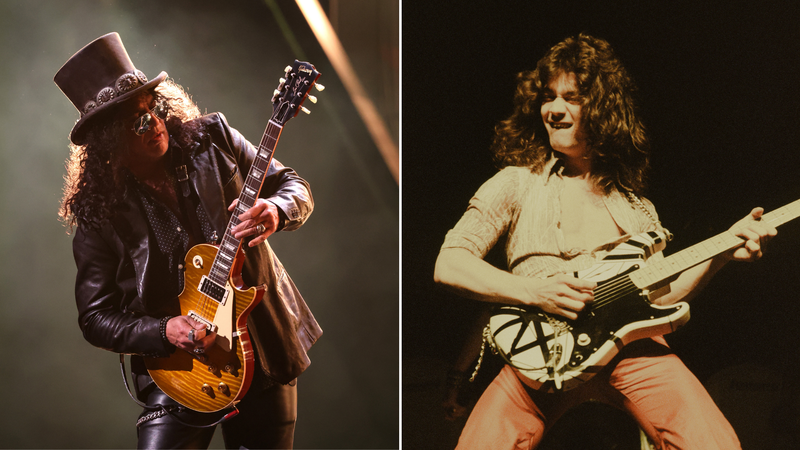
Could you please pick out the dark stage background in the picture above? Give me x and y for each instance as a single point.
(59, 391)
(718, 83)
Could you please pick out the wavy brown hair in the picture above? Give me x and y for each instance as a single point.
(95, 181)
(616, 136)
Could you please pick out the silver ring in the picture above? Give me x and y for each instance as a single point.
(261, 228)
(198, 350)
(191, 334)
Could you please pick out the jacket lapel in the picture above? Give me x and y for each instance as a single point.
(204, 176)
(131, 226)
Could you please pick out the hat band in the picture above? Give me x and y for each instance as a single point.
(125, 83)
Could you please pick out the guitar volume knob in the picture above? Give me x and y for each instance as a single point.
(584, 340)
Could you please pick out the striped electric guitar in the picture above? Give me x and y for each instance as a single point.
(550, 353)
(213, 291)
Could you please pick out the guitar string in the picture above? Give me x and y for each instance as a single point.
(612, 292)
(616, 289)
(609, 292)
(206, 304)
(622, 286)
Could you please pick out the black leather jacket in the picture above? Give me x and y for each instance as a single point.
(118, 287)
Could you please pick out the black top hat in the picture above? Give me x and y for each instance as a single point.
(99, 76)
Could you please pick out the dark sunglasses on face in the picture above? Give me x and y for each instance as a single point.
(142, 124)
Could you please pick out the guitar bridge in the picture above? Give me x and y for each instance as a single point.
(210, 326)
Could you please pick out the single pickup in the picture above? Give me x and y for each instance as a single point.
(215, 291)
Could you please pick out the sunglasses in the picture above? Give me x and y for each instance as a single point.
(142, 124)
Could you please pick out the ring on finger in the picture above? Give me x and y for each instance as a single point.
(261, 228)
(198, 350)
(191, 334)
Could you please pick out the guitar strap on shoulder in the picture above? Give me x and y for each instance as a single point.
(185, 192)
(636, 201)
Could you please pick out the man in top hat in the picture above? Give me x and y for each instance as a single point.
(148, 178)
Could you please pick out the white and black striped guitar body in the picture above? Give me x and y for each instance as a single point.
(551, 353)
(559, 354)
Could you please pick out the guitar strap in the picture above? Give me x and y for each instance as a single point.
(159, 410)
(187, 206)
(185, 200)
(636, 201)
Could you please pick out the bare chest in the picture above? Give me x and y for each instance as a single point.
(585, 220)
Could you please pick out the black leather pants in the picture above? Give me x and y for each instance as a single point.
(266, 420)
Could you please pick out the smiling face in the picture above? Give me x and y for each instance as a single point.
(561, 113)
(151, 146)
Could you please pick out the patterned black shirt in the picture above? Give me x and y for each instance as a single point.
(172, 236)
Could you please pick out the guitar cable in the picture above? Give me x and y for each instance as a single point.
(159, 410)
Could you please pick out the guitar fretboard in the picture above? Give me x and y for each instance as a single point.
(690, 257)
(229, 245)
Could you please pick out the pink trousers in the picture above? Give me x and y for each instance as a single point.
(646, 380)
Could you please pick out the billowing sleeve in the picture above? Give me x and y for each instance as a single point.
(488, 215)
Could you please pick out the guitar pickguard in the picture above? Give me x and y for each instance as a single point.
(220, 377)
(224, 319)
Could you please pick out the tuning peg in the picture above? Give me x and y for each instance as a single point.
(312, 99)
(288, 69)
(319, 87)
(305, 110)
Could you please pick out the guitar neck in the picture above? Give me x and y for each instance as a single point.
(705, 250)
(229, 245)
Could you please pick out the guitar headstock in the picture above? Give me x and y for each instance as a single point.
(293, 91)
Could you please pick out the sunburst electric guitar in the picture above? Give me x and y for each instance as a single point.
(213, 290)
(553, 353)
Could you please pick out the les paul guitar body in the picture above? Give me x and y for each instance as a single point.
(213, 293)
(220, 377)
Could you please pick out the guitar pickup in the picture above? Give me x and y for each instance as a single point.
(213, 289)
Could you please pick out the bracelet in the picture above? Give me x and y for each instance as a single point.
(163, 328)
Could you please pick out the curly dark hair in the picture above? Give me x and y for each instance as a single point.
(616, 135)
(95, 181)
